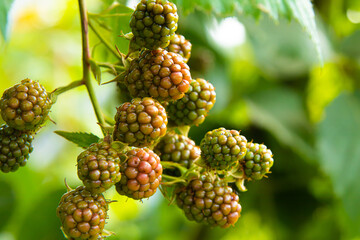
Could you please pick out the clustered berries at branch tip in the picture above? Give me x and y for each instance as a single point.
(148, 147)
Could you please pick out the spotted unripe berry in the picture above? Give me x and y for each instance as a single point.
(178, 44)
(258, 161)
(222, 149)
(25, 106)
(194, 106)
(159, 74)
(99, 167)
(140, 122)
(15, 148)
(82, 214)
(177, 148)
(154, 23)
(209, 200)
(140, 174)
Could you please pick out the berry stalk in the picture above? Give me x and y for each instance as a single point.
(86, 62)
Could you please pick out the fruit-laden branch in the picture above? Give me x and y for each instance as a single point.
(86, 62)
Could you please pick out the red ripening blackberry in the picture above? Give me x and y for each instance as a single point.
(209, 200)
(99, 167)
(222, 149)
(140, 122)
(82, 214)
(153, 24)
(25, 106)
(194, 106)
(178, 44)
(140, 174)
(159, 74)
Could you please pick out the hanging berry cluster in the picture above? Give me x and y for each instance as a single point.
(148, 147)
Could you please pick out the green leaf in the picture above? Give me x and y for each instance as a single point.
(281, 112)
(300, 10)
(7, 203)
(5, 6)
(338, 146)
(95, 69)
(82, 139)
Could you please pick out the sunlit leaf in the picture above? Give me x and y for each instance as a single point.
(82, 139)
(338, 145)
(5, 6)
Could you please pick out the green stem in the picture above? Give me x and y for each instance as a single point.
(86, 62)
(110, 15)
(112, 50)
(68, 87)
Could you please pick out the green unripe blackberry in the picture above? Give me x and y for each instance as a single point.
(178, 44)
(258, 161)
(177, 148)
(25, 106)
(222, 149)
(140, 122)
(209, 200)
(99, 167)
(82, 214)
(140, 174)
(194, 106)
(159, 74)
(15, 148)
(154, 23)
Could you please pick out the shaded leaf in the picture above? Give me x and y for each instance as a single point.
(7, 202)
(338, 145)
(281, 112)
(82, 139)
(95, 69)
(5, 6)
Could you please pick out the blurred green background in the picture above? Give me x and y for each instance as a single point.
(270, 85)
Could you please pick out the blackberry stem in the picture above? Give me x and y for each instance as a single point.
(112, 50)
(86, 62)
(68, 87)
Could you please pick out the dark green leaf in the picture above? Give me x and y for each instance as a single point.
(7, 202)
(281, 112)
(95, 69)
(5, 6)
(338, 145)
(82, 139)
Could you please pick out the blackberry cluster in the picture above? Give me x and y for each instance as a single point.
(181, 46)
(140, 122)
(141, 174)
(82, 214)
(153, 23)
(209, 200)
(159, 74)
(194, 106)
(258, 161)
(15, 148)
(25, 106)
(222, 149)
(99, 167)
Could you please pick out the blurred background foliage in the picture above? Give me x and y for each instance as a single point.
(270, 84)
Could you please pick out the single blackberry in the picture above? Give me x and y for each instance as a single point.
(194, 106)
(140, 123)
(258, 161)
(99, 167)
(178, 44)
(154, 23)
(177, 148)
(209, 200)
(25, 106)
(222, 149)
(159, 74)
(15, 148)
(82, 214)
(140, 174)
